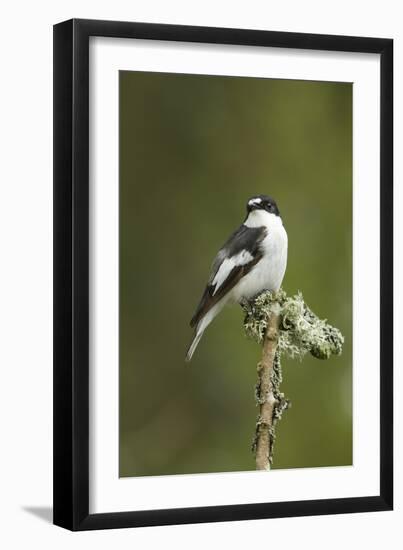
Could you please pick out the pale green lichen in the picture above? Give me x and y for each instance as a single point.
(300, 332)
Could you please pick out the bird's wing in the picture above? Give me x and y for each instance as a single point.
(234, 260)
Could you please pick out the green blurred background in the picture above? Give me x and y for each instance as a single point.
(193, 149)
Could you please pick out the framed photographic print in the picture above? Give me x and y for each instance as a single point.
(239, 182)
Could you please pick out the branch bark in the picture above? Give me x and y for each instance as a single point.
(265, 395)
(300, 332)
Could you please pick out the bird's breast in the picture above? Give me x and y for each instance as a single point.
(268, 273)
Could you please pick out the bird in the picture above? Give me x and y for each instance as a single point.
(253, 259)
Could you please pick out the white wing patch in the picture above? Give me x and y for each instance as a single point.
(242, 258)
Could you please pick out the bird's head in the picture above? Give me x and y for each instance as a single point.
(262, 202)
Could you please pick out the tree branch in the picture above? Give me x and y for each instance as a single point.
(283, 325)
(265, 393)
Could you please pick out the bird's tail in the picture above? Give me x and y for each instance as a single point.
(201, 327)
(193, 345)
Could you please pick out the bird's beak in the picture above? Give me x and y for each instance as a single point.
(253, 206)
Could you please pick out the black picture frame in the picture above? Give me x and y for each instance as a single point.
(71, 274)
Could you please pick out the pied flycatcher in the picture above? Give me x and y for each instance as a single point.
(253, 259)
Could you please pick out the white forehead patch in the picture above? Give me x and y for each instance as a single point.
(257, 200)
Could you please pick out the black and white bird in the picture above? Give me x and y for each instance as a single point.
(253, 259)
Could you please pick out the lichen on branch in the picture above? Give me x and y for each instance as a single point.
(299, 332)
